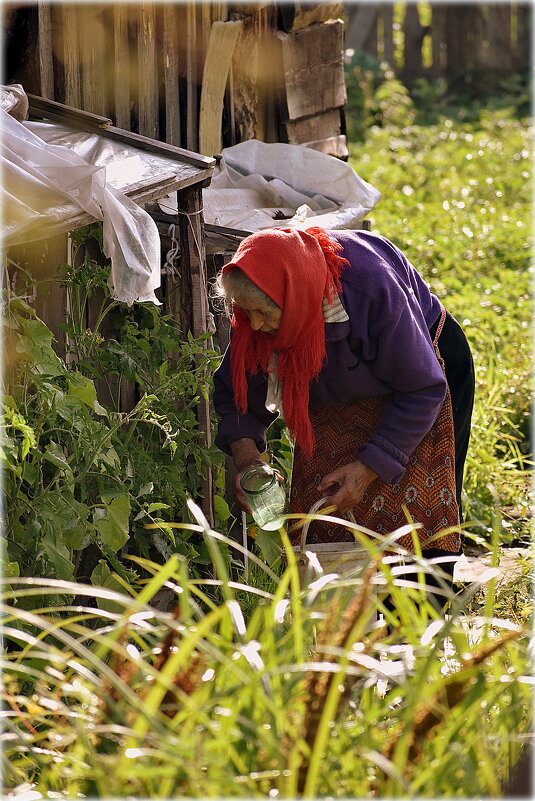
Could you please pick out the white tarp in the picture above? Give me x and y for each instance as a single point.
(259, 185)
(45, 183)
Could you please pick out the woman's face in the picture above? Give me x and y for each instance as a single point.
(261, 319)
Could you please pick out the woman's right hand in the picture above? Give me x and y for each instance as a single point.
(245, 455)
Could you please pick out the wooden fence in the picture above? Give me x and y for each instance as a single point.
(465, 43)
(197, 75)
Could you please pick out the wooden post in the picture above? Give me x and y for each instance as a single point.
(191, 78)
(171, 74)
(187, 301)
(121, 52)
(147, 72)
(193, 252)
(46, 65)
(94, 34)
(71, 55)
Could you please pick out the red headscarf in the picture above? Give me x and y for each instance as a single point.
(296, 269)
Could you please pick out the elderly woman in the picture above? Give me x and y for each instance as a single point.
(339, 332)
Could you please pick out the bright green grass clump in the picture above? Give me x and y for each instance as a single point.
(308, 697)
(456, 198)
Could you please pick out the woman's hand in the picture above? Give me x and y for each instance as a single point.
(353, 479)
(245, 455)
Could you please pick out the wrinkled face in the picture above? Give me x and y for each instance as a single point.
(261, 319)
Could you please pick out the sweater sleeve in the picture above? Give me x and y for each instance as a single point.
(233, 425)
(396, 344)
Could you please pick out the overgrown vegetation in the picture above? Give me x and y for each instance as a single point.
(309, 697)
(257, 687)
(457, 200)
(82, 477)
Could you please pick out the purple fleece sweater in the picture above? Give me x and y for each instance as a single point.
(384, 349)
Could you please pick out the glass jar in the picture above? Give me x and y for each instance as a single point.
(265, 495)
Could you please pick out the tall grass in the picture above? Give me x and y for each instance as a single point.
(457, 199)
(310, 696)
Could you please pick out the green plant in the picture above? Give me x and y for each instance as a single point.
(83, 477)
(305, 698)
(457, 200)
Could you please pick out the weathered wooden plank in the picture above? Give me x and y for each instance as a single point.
(332, 146)
(171, 74)
(71, 55)
(310, 13)
(93, 30)
(122, 67)
(245, 81)
(44, 42)
(148, 123)
(51, 109)
(313, 64)
(192, 133)
(223, 37)
(151, 145)
(319, 127)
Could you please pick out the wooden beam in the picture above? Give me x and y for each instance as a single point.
(91, 22)
(192, 134)
(148, 122)
(187, 302)
(171, 74)
(51, 109)
(71, 55)
(121, 57)
(44, 40)
(221, 44)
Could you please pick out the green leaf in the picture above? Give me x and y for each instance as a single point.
(154, 507)
(54, 454)
(81, 387)
(59, 557)
(103, 577)
(269, 544)
(221, 509)
(74, 537)
(11, 569)
(35, 346)
(113, 524)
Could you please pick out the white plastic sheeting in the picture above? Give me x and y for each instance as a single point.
(46, 183)
(259, 185)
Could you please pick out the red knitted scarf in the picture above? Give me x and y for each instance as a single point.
(296, 269)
